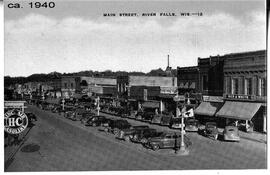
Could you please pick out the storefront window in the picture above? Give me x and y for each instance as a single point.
(263, 87)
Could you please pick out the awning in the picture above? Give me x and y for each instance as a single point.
(238, 110)
(208, 108)
(192, 85)
(167, 95)
(151, 104)
(78, 96)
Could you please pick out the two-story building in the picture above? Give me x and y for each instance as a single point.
(245, 88)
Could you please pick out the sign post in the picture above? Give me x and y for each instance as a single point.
(183, 150)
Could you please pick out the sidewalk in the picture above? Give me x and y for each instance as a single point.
(254, 136)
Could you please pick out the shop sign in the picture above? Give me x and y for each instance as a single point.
(212, 98)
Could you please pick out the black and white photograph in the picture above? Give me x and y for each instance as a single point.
(135, 85)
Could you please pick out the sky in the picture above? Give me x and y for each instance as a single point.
(74, 36)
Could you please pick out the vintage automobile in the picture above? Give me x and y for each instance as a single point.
(123, 112)
(156, 119)
(247, 127)
(166, 120)
(192, 125)
(231, 133)
(115, 126)
(147, 116)
(211, 130)
(138, 115)
(86, 117)
(126, 134)
(96, 121)
(166, 140)
(175, 123)
(31, 117)
(141, 136)
(132, 115)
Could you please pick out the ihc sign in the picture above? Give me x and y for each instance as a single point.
(15, 121)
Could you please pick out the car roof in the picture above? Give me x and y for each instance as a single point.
(211, 123)
(231, 127)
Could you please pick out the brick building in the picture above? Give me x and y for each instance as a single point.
(245, 88)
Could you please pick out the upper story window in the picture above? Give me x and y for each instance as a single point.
(235, 86)
(71, 85)
(205, 82)
(65, 85)
(248, 86)
(262, 87)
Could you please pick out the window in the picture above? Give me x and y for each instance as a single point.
(205, 82)
(228, 85)
(65, 85)
(262, 87)
(248, 86)
(145, 94)
(71, 85)
(235, 87)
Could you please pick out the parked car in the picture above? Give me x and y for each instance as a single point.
(141, 136)
(156, 119)
(96, 121)
(175, 123)
(166, 140)
(123, 113)
(115, 126)
(132, 114)
(31, 117)
(148, 116)
(192, 125)
(247, 127)
(231, 133)
(211, 130)
(86, 116)
(138, 115)
(166, 120)
(126, 134)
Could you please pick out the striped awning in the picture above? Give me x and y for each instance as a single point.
(238, 110)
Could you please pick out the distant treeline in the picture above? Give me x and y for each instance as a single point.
(54, 75)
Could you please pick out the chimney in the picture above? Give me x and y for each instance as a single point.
(168, 60)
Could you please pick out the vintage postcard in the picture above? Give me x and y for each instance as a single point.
(134, 85)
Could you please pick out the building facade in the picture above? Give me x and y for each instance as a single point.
(245, 87)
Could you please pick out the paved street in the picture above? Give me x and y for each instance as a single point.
(64, 145)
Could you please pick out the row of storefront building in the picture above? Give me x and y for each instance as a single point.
(227, 87)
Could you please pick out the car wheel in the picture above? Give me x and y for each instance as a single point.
(155, 147)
